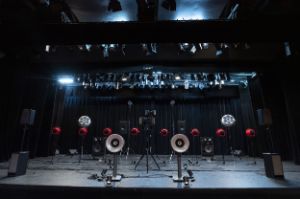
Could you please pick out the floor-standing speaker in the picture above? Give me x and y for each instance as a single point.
(273, 165)
(18, 163)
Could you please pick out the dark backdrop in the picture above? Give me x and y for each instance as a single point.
(202, 110)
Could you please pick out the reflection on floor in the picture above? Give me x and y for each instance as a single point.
(208, 173)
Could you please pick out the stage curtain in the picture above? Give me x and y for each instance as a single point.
(198, 112)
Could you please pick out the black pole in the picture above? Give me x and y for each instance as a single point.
(23, 136)
(115, 165)
(179, 166)
(223, 150)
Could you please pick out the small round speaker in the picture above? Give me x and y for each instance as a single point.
(228, 120)
(84, 121)
(180, 143)
(114, 143)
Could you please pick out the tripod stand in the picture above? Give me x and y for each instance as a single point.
(147, 151)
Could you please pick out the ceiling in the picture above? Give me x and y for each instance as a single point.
(96, 10)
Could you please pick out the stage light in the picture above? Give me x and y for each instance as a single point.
(169, 5)
(66, 80)
(47, 48)
(124, 78)
(114, 5)
(177, 77)
(186, 85)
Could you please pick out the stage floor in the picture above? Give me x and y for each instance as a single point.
(210, 175)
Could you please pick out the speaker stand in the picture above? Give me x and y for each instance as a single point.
(223, 150)
(253, 152)
(115, 177)
(81, 149)
(179, 177)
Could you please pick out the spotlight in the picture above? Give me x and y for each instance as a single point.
(186, 85)
(114, 5)
(66, 80)
(177, 77)
(169, 5)
(47, 48)
(124, 78)
(211, 78)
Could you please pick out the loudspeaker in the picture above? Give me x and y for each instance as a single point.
(273, 165)
(97, 147)
(114, 143)
(207, 146)
(264, 117)
(27, 117)
(124, 127)
(181, 126)
(180, 143)
(18, 163)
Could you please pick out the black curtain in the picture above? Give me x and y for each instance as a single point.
(24, 90)
(200, 112)
(278, 93)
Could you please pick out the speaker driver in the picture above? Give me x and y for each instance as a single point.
(228, 120)
(180, 143)
(114, 143)
(84, 121)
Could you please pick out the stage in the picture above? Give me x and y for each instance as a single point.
(239, 177)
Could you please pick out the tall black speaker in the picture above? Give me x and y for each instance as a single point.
(207, 146)
(264, 117)
(27, 117)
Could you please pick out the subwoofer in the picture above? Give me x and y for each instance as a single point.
(273, 165)
(18, 163)
(207, 146)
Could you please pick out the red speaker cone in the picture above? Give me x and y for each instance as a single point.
(220, 133)
(250, 133)
(56, 130)
(164, 132)
(107, 131)
(135, 131)
(195, 132)
(83, 131)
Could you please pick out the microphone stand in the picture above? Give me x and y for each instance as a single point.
(173, 131)
(129, 127)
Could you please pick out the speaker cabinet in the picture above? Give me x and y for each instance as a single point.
(27, 117)
(97, 147)
(264, 117)
(273, 165)
(18, 163)
(181, 126)
(207, 146)
(124, 127)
